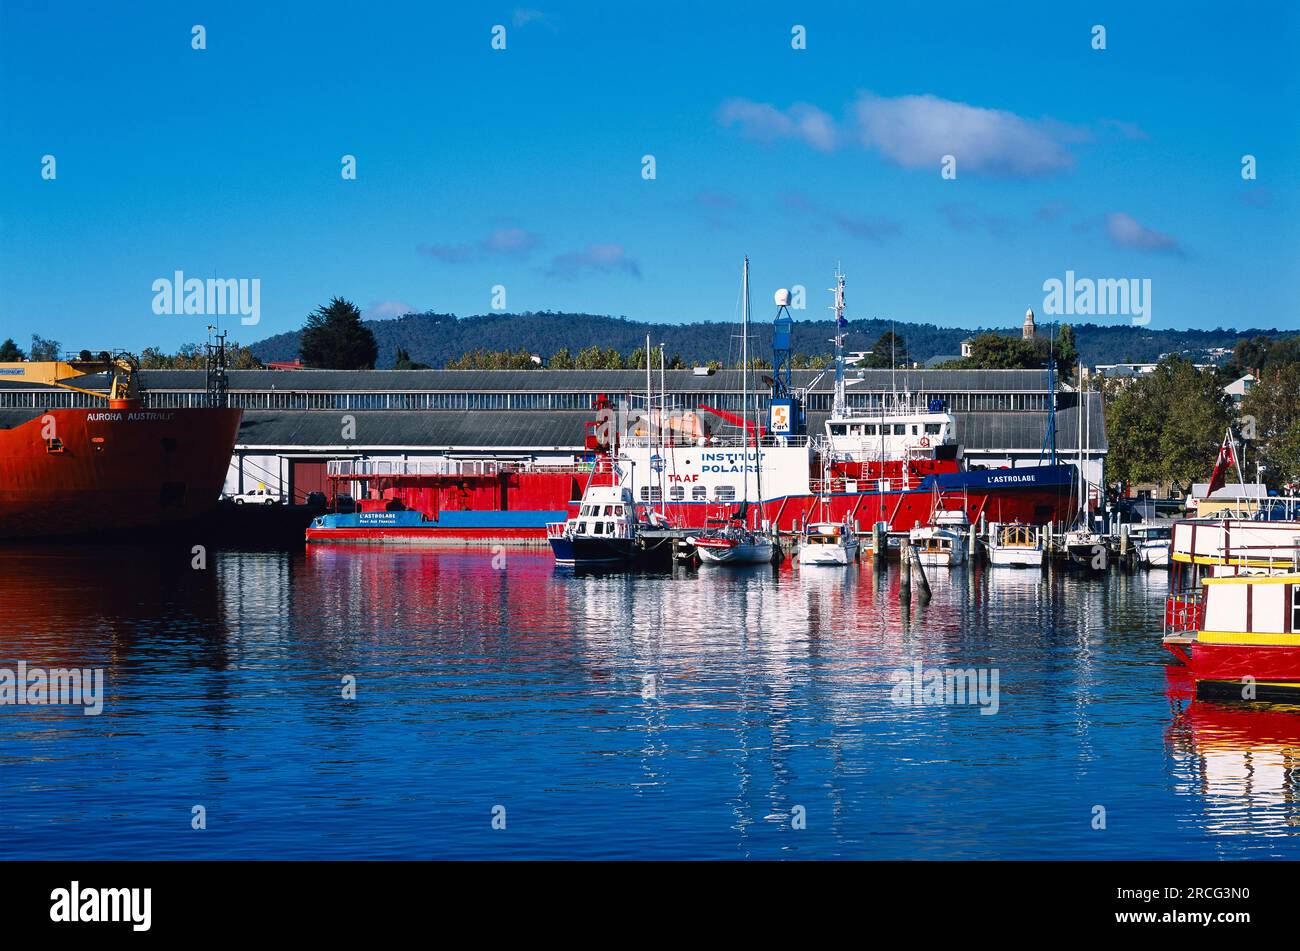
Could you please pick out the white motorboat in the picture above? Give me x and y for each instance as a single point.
(937, 546)
(1150, 542)
(1015, 545)
(829, 543)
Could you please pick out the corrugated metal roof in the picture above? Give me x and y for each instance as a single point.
(482, 429)
(595, 381)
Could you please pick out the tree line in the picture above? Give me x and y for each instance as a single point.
(1167, 426)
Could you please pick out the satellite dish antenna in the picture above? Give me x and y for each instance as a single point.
(782, 297)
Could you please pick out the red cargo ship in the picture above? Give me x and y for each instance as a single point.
(119, 466)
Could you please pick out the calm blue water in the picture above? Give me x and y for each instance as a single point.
(611, 716)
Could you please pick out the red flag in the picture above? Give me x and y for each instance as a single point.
(1220, 474)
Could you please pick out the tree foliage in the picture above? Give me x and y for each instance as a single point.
(889, 350)
(1166, 425)
(10, 352)
(404, 362)
(335, 339)
(193, 356)
(1270, 417)
(993, 351)
(43, 349)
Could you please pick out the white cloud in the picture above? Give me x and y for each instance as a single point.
(917, 131)
(507, 242)
(1125, 231)
(594, 259)
(767, 123)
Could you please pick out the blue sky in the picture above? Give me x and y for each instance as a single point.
(523, 167)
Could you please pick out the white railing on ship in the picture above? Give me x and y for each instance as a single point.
(727, 441)
(375, 468)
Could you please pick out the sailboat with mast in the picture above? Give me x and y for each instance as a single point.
(735, 542)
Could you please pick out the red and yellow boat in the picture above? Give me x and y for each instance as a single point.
(1239, 636)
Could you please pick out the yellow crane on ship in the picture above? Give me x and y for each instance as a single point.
(120, 368)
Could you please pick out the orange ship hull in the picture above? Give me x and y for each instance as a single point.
(87, 471)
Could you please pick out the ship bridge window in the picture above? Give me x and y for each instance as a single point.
(855, 429)
(871, 429)
(900, 429)
(699, 493)
(725, 493)
(837, 430)
(597, 528)
(932, 429)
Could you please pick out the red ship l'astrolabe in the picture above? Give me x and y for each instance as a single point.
(102, 469)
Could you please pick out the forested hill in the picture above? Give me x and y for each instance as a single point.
(436, 338)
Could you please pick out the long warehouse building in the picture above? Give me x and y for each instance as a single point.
(296, 422)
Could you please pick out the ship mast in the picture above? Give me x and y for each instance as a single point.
(840, 406)
(744, 386)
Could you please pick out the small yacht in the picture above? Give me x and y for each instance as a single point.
(1015, 546)
(937, 546)
(604, 532)
(1086, 549)
(829, 543)
(733, 544)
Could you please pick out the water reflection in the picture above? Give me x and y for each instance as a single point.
(691, 713)
(1240, 761)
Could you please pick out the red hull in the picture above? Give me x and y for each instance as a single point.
(87, 471)
(1233, 662)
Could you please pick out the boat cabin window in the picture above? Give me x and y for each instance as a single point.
(855, 429)
(1295, 607)
(724, 493)
(900, 429)
(609, 510)
(609, 528)
(871, 429)
(837, 430)
(913, 429)
(618, 510)
(932, 429)
(699, 493)
(597, 528)
(677, 493)
(651, 493)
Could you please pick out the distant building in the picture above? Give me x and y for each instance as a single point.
(1028, 332)
(1130, 370)
(968, 347)
(1238, 388)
